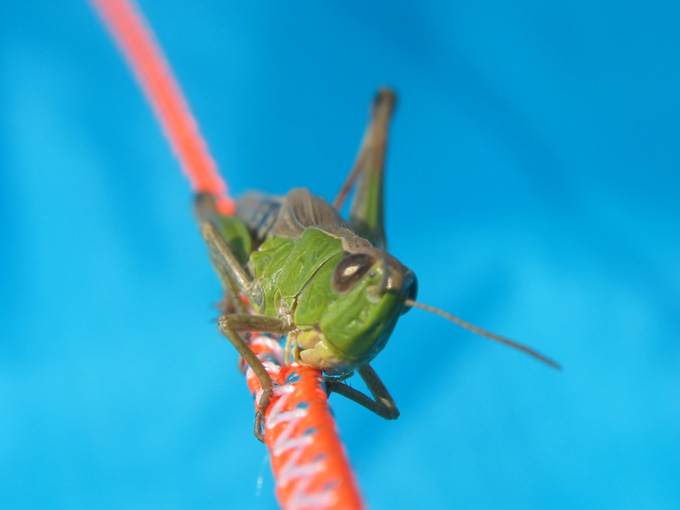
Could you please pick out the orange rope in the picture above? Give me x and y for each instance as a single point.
(309, 462)
(146, 59)
(310, 467)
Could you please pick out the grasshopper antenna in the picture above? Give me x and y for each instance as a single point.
(484, 333)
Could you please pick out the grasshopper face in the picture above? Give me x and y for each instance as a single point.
(369, 289)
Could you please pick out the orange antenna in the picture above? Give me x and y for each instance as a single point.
(145, 58)
(310, 468)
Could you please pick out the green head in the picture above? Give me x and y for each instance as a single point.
(349, 308)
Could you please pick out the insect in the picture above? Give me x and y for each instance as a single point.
(327, 284)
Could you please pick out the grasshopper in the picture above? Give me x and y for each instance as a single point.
(327, 284)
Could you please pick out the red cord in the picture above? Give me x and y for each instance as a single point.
(308, 459)
(309, 462)
(146, 59)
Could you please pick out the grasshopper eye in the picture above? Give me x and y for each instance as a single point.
(350, 270)
(411, 292)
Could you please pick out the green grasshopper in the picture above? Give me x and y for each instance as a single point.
(327, 284)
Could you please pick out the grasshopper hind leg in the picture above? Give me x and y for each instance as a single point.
(367, 174)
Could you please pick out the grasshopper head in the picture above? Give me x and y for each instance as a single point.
(368, 290)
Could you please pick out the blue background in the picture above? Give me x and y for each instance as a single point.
(533, 186)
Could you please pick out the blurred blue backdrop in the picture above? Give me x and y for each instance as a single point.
(533, 186)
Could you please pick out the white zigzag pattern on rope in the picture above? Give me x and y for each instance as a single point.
(292, 472)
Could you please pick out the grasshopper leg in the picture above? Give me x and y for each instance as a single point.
(237, 281)
(230, 325)
(224, 260)
(367, 211)
(382, 402)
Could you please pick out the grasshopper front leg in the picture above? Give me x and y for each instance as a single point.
(382, 403)
(231, 325)
(236, 280)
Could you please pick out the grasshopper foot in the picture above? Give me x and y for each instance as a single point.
(259, 414)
